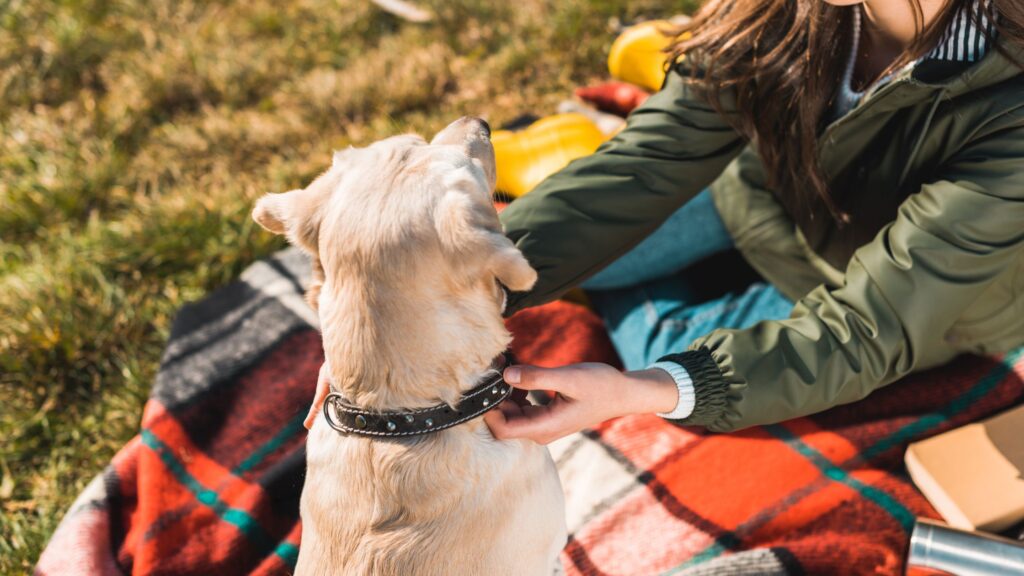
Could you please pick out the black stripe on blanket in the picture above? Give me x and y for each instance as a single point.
(215, 339)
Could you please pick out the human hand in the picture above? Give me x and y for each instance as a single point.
(586, 395)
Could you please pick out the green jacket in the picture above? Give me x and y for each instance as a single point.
(931, 168)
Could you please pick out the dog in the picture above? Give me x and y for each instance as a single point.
(409, 260)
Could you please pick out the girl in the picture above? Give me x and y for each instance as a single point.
(866, 159)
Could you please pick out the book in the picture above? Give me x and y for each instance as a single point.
(974, 475)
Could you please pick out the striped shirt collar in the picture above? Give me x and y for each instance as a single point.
(965, 40)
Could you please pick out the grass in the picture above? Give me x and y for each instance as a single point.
(134, 138)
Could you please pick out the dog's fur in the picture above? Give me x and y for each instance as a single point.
(406, 247)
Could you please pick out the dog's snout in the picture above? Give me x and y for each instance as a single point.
(486, 127)
(465, 130)
(477, 122)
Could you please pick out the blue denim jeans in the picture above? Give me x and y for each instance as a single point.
(680, 283)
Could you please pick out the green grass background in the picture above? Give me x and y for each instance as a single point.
(134, 137)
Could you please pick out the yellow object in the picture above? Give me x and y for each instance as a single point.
(637, 55)
(526, 157)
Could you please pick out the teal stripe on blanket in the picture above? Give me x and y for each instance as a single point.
(288, 553)
(285, 434)
(234, 516)
(708, 553)
(833, 472)
(928, 422)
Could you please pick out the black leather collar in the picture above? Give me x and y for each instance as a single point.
(349, 419)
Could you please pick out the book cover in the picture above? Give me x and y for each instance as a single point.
(974, 475)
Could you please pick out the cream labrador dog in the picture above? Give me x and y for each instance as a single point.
(407, 255)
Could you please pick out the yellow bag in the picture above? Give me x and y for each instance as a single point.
(637, 56)
(526, 157)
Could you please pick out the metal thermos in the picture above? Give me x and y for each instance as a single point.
(935, 546)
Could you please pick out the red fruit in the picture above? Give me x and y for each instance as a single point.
(615, 97)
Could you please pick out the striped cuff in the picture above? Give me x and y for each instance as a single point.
(710, 385)
(687, 398)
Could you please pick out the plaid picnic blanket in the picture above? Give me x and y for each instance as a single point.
(211, 483)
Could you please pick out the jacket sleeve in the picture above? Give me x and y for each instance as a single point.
(598, 207)
(902, 294)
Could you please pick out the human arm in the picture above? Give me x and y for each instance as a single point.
(902, 295)
(598, 207)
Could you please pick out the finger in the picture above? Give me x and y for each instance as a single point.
(533, 410)
(495, 420)
(511, 409)
(310, 416)
(323, 387)
(527, 377)
(506, 424)
(542, 424)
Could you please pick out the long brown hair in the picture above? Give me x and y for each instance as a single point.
(783, 57)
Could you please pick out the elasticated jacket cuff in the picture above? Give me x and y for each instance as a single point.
(709, 385)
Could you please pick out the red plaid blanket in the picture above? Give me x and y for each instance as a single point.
(211, 483)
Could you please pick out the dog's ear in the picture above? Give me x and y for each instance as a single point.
(296, 214)
(467, 225)
(510, 266)
(272, 212)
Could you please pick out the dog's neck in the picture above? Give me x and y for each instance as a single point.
(392, 357)
(389, 399)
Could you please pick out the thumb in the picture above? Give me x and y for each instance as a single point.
(527, 377)
(323, 387)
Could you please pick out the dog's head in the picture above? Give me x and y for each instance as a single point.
(407, 254)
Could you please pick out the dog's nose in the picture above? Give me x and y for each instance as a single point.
(463, 130)
(483, 124)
